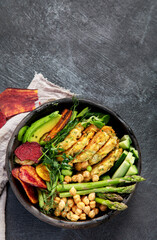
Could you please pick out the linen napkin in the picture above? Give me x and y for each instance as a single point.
(47, 91)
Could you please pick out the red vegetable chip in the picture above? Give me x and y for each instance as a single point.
(30, 190)
(29, 151)
(29, 175)
(2, 119)
(14, 101)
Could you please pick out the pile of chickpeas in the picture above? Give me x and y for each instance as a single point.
(77, 207)
(85, 176)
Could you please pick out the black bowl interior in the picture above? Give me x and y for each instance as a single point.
(116, 122)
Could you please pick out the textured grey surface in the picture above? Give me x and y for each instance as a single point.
(103, 50)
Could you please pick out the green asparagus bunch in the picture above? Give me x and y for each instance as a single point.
(110, 196)
(99, 184)
(112, 205)
(121, 190)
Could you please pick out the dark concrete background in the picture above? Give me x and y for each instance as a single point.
(103, 50)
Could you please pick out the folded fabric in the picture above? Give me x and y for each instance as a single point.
(47, 91)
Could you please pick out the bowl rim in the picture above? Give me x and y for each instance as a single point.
(32, 209)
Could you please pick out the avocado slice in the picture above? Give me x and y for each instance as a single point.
(22, 132)
(44, 128)
(34, 126)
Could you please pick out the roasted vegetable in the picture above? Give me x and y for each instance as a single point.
(14, 101)
(99, 139)
(30, 190)
(43, 172)
(29, 151)
(28, 174)
(66, 115)
(105, 165)
(72, 138)
(82, 142)
(107, 148)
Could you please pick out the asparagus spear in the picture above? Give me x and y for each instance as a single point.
(40, 198)
(127, 189)
(112, 205)
(110, 196)
(104, 183)
(54, 185)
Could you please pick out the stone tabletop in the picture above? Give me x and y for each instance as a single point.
(102, 50)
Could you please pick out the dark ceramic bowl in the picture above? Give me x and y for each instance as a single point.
(116, 122)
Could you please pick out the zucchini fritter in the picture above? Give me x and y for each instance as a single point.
(107, 148)
(105, 165)
(99, 139)
(72, 137)
(83, 140)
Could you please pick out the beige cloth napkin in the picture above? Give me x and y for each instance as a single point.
(46, 91)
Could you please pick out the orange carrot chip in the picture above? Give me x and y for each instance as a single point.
(14, 101)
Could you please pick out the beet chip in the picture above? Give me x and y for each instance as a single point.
(30, 190)
(28, 174)
(2, 119)
(29, 151)
(14, 101)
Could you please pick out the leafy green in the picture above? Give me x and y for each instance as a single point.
(99, 120)
(83, 112)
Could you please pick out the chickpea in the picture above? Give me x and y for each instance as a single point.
(78, 211)
(81, 166)
(72, 191)
(74, 208)
(86, 174)
(74, 178)
(61, 205)
(91, 196)
(64, 214)
(81, 205)
(85, 200)
(67, 208)
(57, 212)
(95, 178)
(80, 178)
(67, 179)
(96, 210)
(92, 204)
(87, 209)
(84, 165)
(74, 217)
(91, 214)
(77, 198)
(57, 200)
(103, 208)
(69, 215)
(70, 203)
(83, 216)
(87, 179)
(64, 199)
